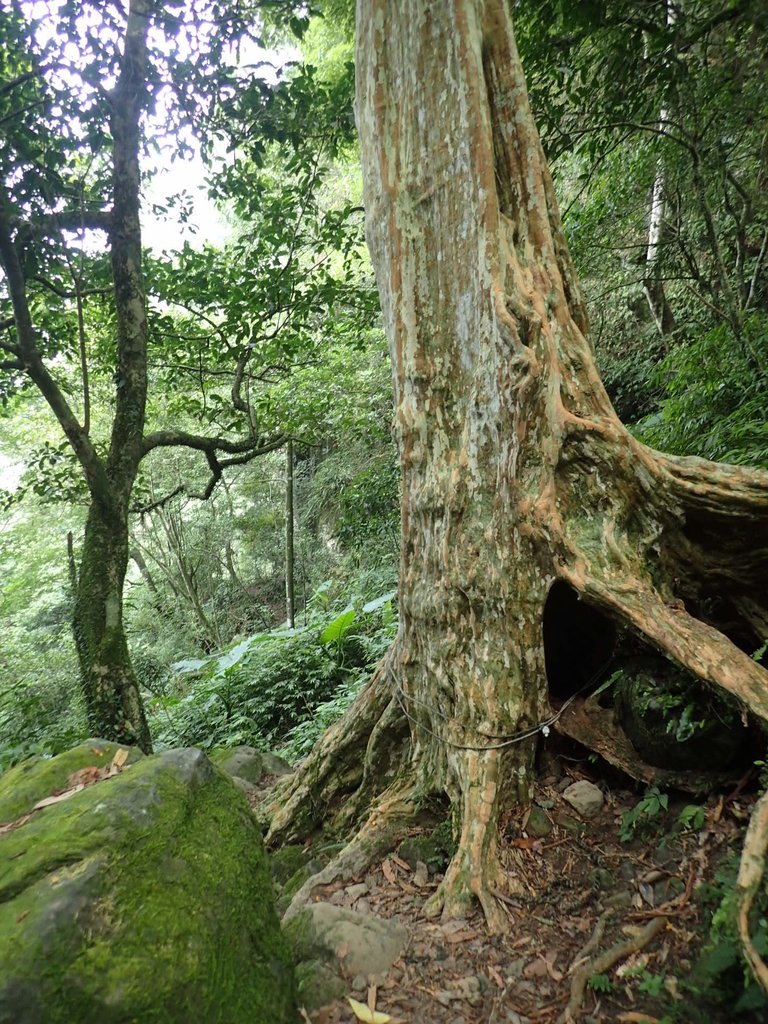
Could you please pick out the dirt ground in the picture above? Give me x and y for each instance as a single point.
(604, 930)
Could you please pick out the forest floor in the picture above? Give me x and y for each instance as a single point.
(614, 929)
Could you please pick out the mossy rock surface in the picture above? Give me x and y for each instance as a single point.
(36, 778)
(248, 763)
(287, 860)
(145, 897)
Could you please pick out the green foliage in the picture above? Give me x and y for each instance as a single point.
(692, 817)
(720, 978)
(601, 983)
(285, 686)
(714, 403)
(644, 814)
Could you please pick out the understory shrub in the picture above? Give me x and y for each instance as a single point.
(278, 688)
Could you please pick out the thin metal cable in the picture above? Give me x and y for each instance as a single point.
(402, 696)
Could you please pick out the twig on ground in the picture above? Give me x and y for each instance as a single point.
(604, 961)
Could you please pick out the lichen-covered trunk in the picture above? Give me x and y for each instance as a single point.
(113, 703)
(516, 470)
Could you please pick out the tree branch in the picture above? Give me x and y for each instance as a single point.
(203, 443)
(65, 293)
(216, 465)
(29, 355)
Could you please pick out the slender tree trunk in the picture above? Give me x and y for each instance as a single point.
(516, 470)
(111, 693)
(653, 283)
(290, 612)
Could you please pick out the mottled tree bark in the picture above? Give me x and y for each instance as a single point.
(516, 470)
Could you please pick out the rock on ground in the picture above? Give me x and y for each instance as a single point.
(329, 941)
(585, 798)
(247, 763)
(142, 897)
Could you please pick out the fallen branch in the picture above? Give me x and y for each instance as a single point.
(604, 961)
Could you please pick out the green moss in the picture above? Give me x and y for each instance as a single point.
(434, 850)
(317, 985)
(145, 897)
(36, 778)
(287, 860)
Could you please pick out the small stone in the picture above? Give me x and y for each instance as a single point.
(515, 968)
(626, 871)
(569, 823)
(359, 983)
(354, 892)
(585, 798)
(600, 878)
(664, 857)
(619, 899)
(421, 874)
(538, 825)
(363, 906)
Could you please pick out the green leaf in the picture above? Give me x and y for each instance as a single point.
(378, 602)
(337, 627)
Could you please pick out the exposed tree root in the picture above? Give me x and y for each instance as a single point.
(604, 961)
(751, 870)
(475, 870)
(693, 644)
(379, 835)
(340, 762)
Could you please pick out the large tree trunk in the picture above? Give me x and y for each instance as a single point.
(112, 699)
(516, 470)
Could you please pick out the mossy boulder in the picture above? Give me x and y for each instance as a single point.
(145, 897)
(332, 943)
(38, 777)
(247, 763)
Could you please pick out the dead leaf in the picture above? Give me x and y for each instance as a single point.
(421, 874)
(462, 936)
(368, 1016)
(538, 968)
(49, 800)
(389, 871)
(342, 951)
(21, 916)
(121, 756)
(97, 751)
(552, 971)
(371, 998)
(495, 976)
(634, 1017)
(401, 863)
(84, 776)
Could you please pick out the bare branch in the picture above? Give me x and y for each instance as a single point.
(16, 82)
(203, 443)
(216, 465)
(67, 293)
